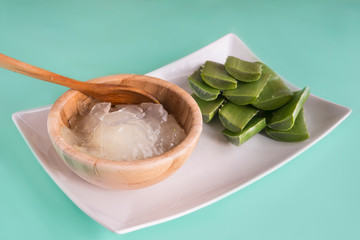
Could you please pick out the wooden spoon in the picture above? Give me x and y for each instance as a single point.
(104, 92)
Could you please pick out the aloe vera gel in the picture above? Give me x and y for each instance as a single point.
(241, 93)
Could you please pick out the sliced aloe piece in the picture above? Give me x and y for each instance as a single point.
(200, 88)
(284, 118)
(252, 128)
(209, 108)
(215, 75)
(297, 133)
(246, 93)
(242, 70)
(275, 93)
(235, 117)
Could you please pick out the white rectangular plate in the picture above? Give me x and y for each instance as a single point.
(217, 167)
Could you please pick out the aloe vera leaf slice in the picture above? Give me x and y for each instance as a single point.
(297, 133)
(284, 118)
(246, 93)
(243, 70)
(235, 117)
(208, 108)
(215, 75)
(252, 128)
(275, 93)
(200, 88)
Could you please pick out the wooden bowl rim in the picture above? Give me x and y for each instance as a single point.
(190, 139)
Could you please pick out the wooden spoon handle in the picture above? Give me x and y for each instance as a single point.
(39, 73)
(104, 92)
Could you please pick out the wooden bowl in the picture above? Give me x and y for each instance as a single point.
(127, 174)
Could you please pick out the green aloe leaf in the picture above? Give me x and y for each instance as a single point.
(215, 75)
(200, 88)
(246, 93)
(243, 70)
(275, 93)
(297, 133)
(284, 118)
(209, 108)
(235, 117)
(252, 128)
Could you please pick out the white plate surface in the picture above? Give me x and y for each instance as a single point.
(217, 167)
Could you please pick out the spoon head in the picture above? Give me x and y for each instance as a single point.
(120, 94)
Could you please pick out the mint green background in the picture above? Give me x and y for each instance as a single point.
(314, 43)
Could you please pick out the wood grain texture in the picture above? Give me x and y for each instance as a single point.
(127, 174)
(114, 93)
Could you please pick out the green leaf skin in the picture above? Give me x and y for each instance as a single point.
(275, 93)
(252, 128)
(246, 93)
(215, 75)
(209, 108)
(200, 88)
(297, 133)
(235, 117)
(284, 118)
(243, 70)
